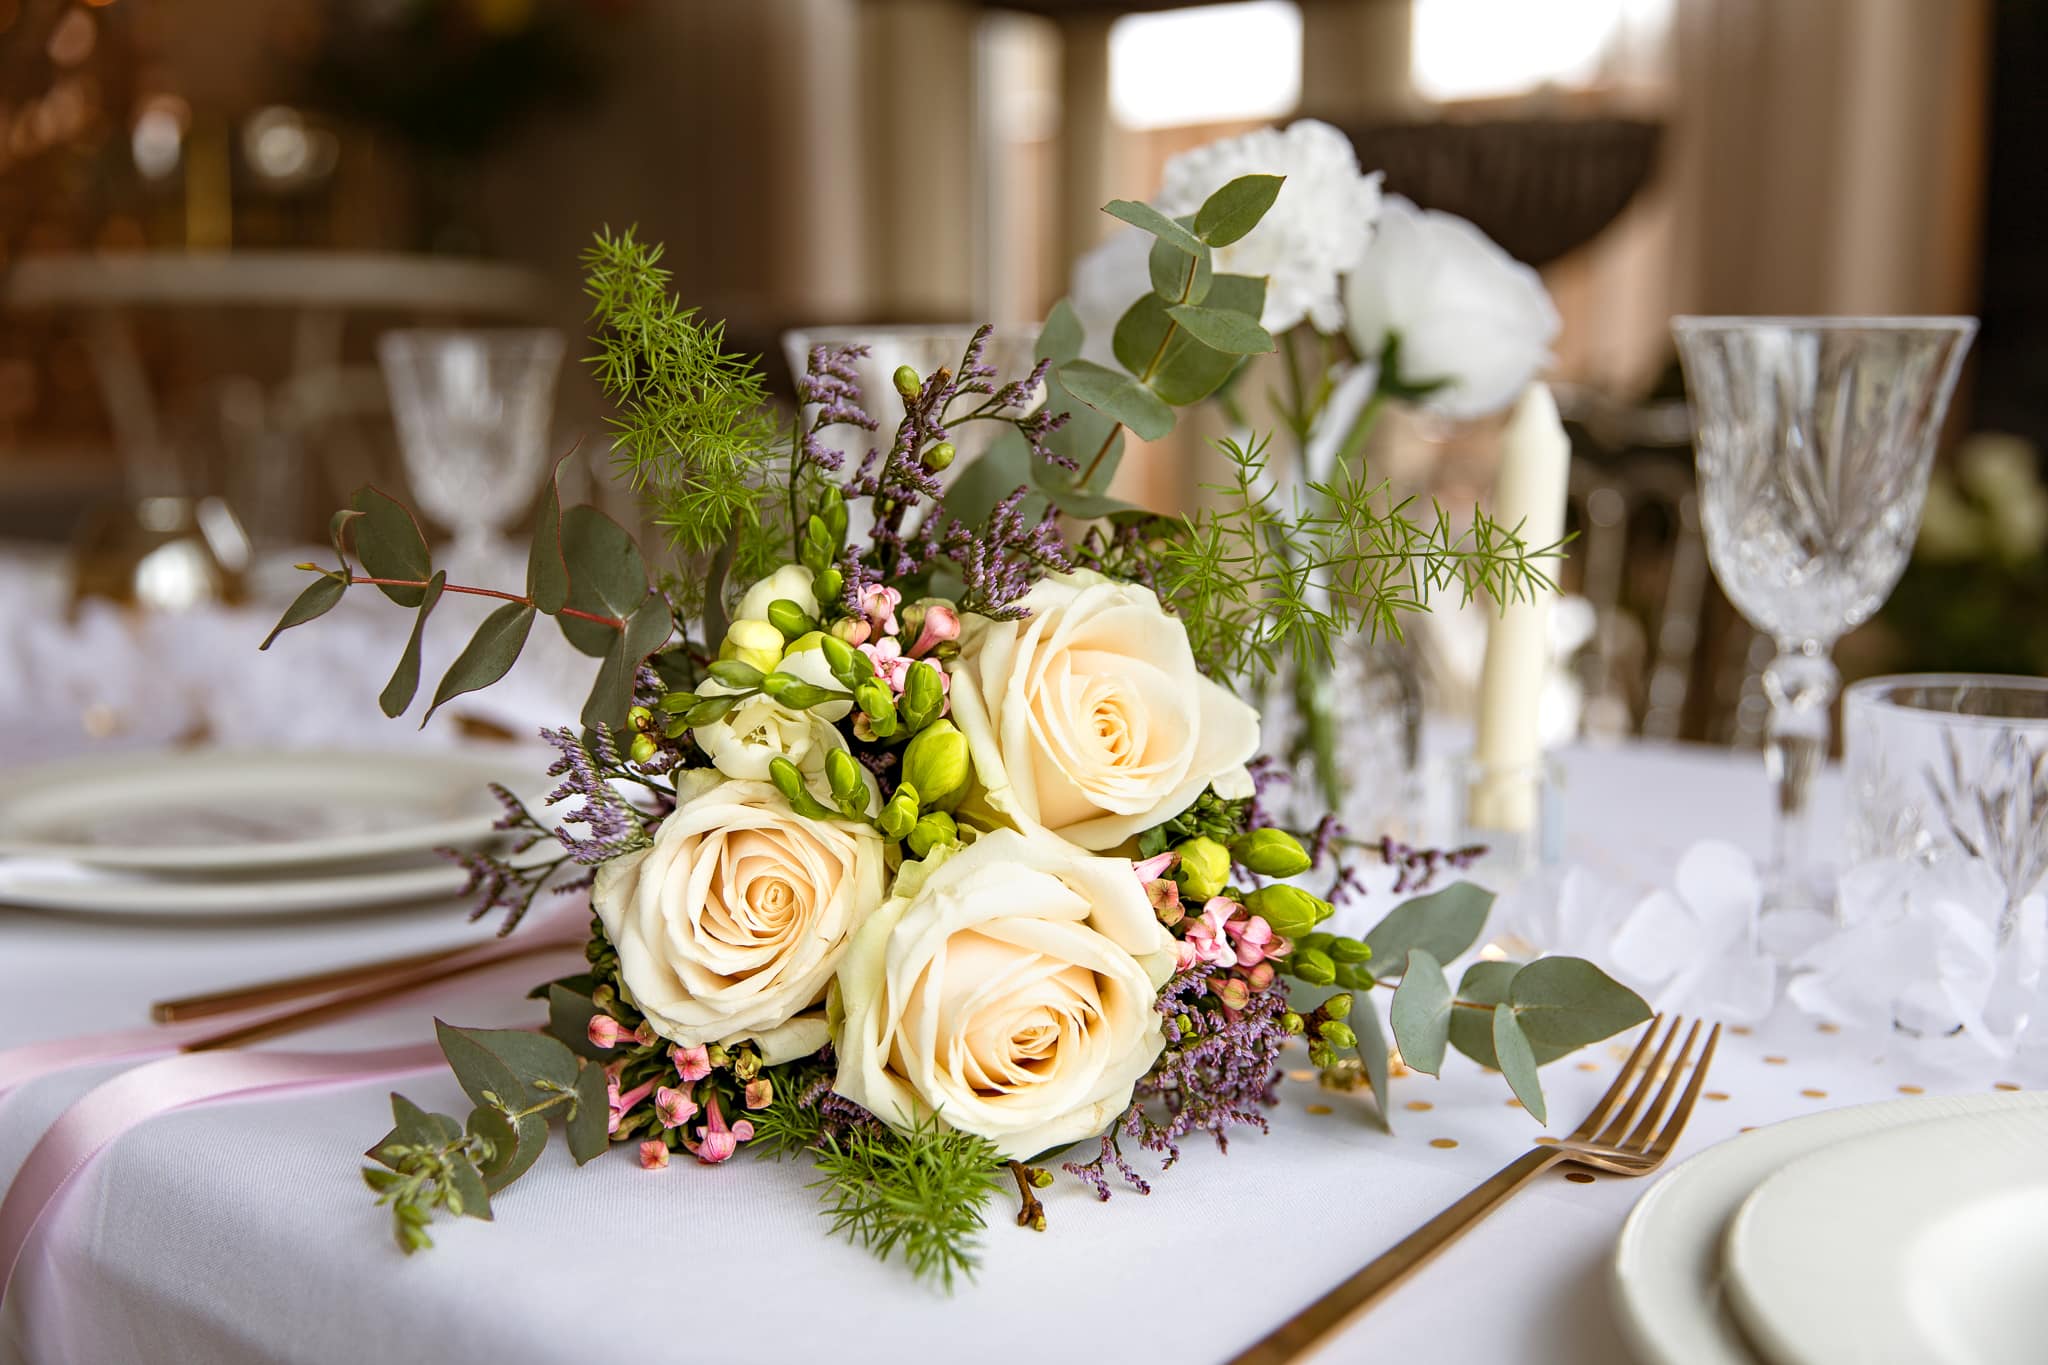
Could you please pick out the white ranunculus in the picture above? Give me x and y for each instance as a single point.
(1317, 229)
(760, 730)
(1009, 991)
(1089, 718)
(1465, 311)
(791, 582)
(732, 924)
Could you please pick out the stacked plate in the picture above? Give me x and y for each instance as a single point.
(1914, 1231)
(214, 834)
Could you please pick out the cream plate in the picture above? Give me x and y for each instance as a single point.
(1667, 1265)
(1923, 1245)
(242, 813)
(53, 887)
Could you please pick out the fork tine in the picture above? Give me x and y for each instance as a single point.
(1645, 1086)
(1639, 1140)
(1669, 1137)
(1621, 1082)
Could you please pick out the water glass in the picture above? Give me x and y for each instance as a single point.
(1814, 437)
(473, 410)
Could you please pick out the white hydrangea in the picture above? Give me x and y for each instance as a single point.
(1317, 230)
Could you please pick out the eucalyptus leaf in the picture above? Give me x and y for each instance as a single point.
(570, 1011)
(1178, 277)
(336, 526)
(389, 544)
(465, 1192)
(1061, 338)
(1443, 923)
(1223, 330)
(1118, 396)
(1564, 1003)
(533, 1057)
(1187, 371)
(1421, 1013)
(487, 657)
(611, 695)
(547, 573)
(405, 679)
(1372, 1051)
(1518, 1061)
(413, 1127)
(1236, 209)
(494, 1128)
(317, 600)
(607, 577)
(1484, 983)
(590, 1125)
(483, 1075)
(1148, 219)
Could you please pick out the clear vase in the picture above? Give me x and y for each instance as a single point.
(1347, 736)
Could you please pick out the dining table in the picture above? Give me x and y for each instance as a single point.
(239, 1230)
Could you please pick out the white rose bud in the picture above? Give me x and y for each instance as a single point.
(731, 925)
(1089, 718)
(1467, 315)
(1009, 991)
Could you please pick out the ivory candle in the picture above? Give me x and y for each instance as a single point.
(1535, 464)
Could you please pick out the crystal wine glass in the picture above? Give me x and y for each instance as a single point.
(473, 410)
(1814, 436)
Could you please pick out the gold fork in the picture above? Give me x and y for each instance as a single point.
(1605, 1142)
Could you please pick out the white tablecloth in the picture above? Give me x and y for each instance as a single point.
(240, 1232)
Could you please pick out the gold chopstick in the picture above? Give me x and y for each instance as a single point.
(276, 992)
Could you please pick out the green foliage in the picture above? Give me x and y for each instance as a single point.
(488, 656)
(1421, 1013)
(317, 600)
(1443, 924)
(1517, 1060)
(405, 679)
(1255, 577)
(1234, 210)
(1210, 817)
(693, 429)
(918, 1195)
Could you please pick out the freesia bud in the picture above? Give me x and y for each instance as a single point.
(828, 583)
(1338, 1034)
(1271, 853)
(936, 761)
(899, 816)
(790, 619)
(1337, 1006)
(1292, 1023)
(1290, 910)
(1204, 868)
(930, 832)
(906, 381)
(924, 695)
(753, 642)
(1349, 951)
(1313, 966)
(643, 749)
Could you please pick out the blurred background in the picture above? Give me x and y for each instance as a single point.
(211, 210)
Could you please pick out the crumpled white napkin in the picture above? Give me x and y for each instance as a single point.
(1917, 951)
(1696, 943)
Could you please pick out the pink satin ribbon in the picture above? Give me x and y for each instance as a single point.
(135, 1096)
(118, 1104)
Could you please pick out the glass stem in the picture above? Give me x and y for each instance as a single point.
(1801, 683)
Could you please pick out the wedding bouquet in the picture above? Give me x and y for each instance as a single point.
(917, 807)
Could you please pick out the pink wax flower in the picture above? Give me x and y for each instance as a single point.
(715, 1141)
(1256, 941)
(654, 1155)
(1208, 939)
(878, 604)
(1260, 977)
(607, 1032)
(1156, 866)
(692, 1063)
(941, 623)
(674, 1107)
(622, 1104)
(1232, 991)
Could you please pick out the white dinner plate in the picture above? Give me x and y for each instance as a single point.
(243, 813)
(44, 887)
(1667, 1264)
(1922, 1245)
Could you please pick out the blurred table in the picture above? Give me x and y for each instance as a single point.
(239, 1232)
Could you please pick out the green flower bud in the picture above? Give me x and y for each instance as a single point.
(747, 1065)
(832, 511)
(1353, 978)
(1337, 1006)
(827, 585)
(899, 817)
(1338, 1034)
(1292, 1024)
(1041, 1178)
(1271, 853)
(936, 761)
(709, 711)
(874, 698)
(843, 771)
(939, 456)
(1291, 911)
(1350, 950)
(906, 381)
(1204, 868)
(640, 718)
(790, 619)
(848, 665)
(924, 696)
(643, 749)
(675, 703)
(1313, 966)
(930, 832)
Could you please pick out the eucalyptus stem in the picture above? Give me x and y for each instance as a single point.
(614, 622)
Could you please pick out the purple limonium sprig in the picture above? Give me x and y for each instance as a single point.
(832, 385)
(997, 562)
(1415, 868)
(615, 827)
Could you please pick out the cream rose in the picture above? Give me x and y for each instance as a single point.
(1089, 718)
(1009, 991)
(731, 925)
